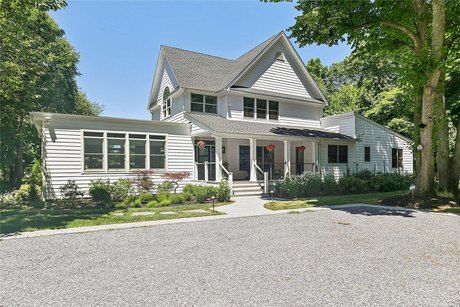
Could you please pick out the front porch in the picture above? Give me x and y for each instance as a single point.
(247, 159)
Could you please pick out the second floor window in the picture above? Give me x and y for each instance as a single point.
(166, 103)
(261, 108)
(204, 103)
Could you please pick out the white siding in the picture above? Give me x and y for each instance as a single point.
(369, 134)
(271, 74)
(344, 124)
(63, 148)
(167, 80)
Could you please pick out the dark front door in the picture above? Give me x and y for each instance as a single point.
(299, 164)
(245, 160)
(206, 154)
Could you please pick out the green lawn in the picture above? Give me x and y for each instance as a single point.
(371, 198)
(20, 220)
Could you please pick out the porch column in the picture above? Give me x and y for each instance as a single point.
(218, 149)
(287, 157)
(253, 158)
(314, 155)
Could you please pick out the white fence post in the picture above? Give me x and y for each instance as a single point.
(206, 173)
(230, 182)
(265, 182)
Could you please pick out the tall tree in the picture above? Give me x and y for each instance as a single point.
(38, 67)
(411, 32)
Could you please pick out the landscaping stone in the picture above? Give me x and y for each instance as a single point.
(168, 212)
(143, 213)
(197, 211)
(118, 214)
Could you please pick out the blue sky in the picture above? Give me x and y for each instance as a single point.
(118, 41)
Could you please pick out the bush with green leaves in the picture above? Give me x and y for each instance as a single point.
(145, 198)
(153, 204)
(177, 199)
(162, 196)
(129, 199)
(29, 193)
(100, 190)
(307, 184)
(329, 185)
(223, 191)
(353, 185)
(200, 192)
(121, 206)
(166, 186)
(71, 192)
(120, 189)
(390, 182)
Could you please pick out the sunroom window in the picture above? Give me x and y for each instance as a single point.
(93, 151)
(137, 155)
(157, 152)
(116, 150)
(204, 103)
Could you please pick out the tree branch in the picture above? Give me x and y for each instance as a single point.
(405, 30)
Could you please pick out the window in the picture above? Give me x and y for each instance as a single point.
(273, 107)
(396, 158)
(137, 151)
(93, 152)
(204, 103)
(248, 107)
(261, 108)
(116, 150)
(367, 154)
(157, 151)
(337, 154)
(166, 103)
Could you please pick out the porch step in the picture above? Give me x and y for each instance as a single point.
(246, 188)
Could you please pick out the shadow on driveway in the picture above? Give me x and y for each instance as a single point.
(370, 210)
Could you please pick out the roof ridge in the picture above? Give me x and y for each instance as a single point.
(196, 52)
(267, 41)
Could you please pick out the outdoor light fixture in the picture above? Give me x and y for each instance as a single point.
(419, 147)
(213, 200)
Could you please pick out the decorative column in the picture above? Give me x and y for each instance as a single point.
(253, 158)
(218, 150)
(287, 157)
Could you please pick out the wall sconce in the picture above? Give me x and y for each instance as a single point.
(419, 147)
(223, 149)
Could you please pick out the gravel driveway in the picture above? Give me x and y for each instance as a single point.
(341, 257)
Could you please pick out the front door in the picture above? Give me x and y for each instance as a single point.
(245, 160)
(299, 158)
(206, 154)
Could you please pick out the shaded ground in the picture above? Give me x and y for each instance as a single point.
(428, 203)
(339, 257)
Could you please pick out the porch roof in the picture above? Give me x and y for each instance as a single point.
(218, 124)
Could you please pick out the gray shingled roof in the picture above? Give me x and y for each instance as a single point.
(216, 123)
(206, 72)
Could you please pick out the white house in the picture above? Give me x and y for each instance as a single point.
(216, 117)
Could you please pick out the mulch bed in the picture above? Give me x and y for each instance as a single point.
(420, 203)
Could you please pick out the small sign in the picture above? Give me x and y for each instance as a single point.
(412, 187)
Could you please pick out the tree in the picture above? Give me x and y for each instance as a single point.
(410, 32)
(83, 106)
(38, 67)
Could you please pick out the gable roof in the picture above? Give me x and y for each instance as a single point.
(200, 71)
(217, 124)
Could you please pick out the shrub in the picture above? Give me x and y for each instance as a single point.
(390, 182)
(99, 190)
(300, 186)
(153, 204)
(121, 206)
(162, 196)
(350, 184)
(137, 204)
(9, 200)
(223, 192)
(329, 184)
(145, 198)
(71, 191)
(142, 181)
(175, 177)
(187, 196)
(165, 202)
(201, 192)
(28, 193)
(364, 174)
(177, 199)
(34, 174)
(120, 189)
(129, 199)
(166, 186)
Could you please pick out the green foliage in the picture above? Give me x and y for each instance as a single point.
(329, 184)
(71, 191)
(136, 204)
(145, 198)
(153, 204)
(390, 182)
(99, 190)
(121, 206)
(177, 199)
(129, 199)
(300, 186)
(353, 185)
(187, 196)
(223, 192)
(34, 175)
(200, 192)
(29, 193)
(160, 197)
(120, 189)
(165, 186)
(83, 106)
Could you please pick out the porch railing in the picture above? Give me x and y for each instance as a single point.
(265, 177)
(229, 177)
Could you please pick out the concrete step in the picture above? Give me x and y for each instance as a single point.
(247, 188)
(248, 193)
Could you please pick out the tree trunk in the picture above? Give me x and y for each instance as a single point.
(442, 123)
(19, 165)
(455, 165)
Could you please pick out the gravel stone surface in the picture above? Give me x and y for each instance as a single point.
(370, 258)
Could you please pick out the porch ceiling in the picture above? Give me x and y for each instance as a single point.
(217, 124)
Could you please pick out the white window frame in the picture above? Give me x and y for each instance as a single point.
(204, 103)
(126, 169)
(267, 108)
(165, 151)
(167, 103)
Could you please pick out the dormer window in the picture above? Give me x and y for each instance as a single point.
(204, 103)
(261, 108)
(166, 102)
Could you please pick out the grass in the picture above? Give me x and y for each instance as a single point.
(371, 198)
(21, 220)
